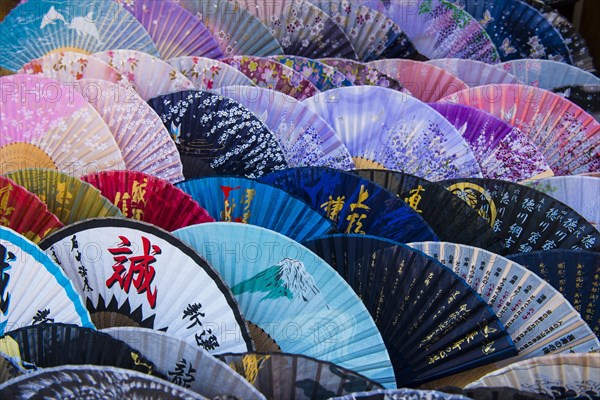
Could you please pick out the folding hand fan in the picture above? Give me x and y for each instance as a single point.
(305, 138)
(40, 27)
(424, 81)
(401, 394)
(354, 204)
(474, 73)
(174, 30)
(383, 128)
(77, 382)
(70, 66)
(207, 74)
(150, 76)
(526, 219)
(237, 31)
(225, 135)
(194, 167)
(502, 151)
(587, 97)
(294, 376)
(363, 74)
(492, 393)
(319, 74)
(294, 296)
(46, 125)
(566, 135)
(174, 289)
(432, 322)
(547, 74)
(9, 368)
(243, 200)
(33, 289)
(271, 74)
(186, 365)
(147, 198)
(450, 218)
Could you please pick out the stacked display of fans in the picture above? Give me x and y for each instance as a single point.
(275, 199)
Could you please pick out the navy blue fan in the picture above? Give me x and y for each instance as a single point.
(432, 322)
(574, 273)
(220, 132)
(236, 199)
(354, 204)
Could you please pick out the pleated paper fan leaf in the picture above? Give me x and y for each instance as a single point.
(39, 27)
(474, 73)
(147, 198)
(354, 204)
(70, 66)
(566, 135)
(134, 274)
(319, 74)
(220, 132)
(383, 128)
(207, 74)
(87, 381)
(486, 393)
(401, 394)
(547, 74)
(305, 138)
(450, 218)
(363, 74)
(34, 289)
(9, 368)
(416, 303)
(67, 197)
(526, 219)
(237, 31)
(45, 124)
(424, 81)
(186, 365)
(271, 74)
(175, 31)
(235, 199)
(150, 76)
(294, 296)
(587, 97)
(294, 376)
(502, 151)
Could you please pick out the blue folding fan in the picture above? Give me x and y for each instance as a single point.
(547, 74)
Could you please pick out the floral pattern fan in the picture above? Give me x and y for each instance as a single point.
(208, 74)
(69, 66)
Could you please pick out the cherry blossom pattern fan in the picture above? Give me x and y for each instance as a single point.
(453, 329)
(474, 73)
(147, 198)
(383, 128)
(319, 74)
(526, 219)
(566, 135)
(587, 97)
(424, 81)
(362, 74)
(401, 394)
(175, 31)
(502, 151)
(282, 287)
(45, 124)
(547, 74)
(34, 289)
(220, 132)
(70, 66)
(271, 74)
(207, 74)
(39, 27)
(134, 274)
(305, 138)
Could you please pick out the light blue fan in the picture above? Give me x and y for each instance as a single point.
(237, 199)
(298, 300)
(38, 27)
(548, 74)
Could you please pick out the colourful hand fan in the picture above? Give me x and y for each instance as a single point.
(270, 74)
(587, 97)
(207, 74)
(424, 81)
(46, 125)
(147, 198)
(383, 128)
(294, 376)
(150, 76)
(566, 135)
(363, 74)
(502, 151)
(33, 289)
(294, 296)
(354, 204)
(526, 219)
(186, 365)
(432, 322)
(70, 66)
(474, 73)
(401, 394)
(227, 136)
(39, 27)
(305, 138)
(449, 217)
(547, 74)
(174, 30)
(174, 290)
(319, 74)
